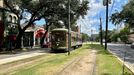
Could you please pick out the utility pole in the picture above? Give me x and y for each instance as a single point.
(91, 37)
(69, 40)
(106, 3)
(106, 24)
(2, 26)
(101, 38)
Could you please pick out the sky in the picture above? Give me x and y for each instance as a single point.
(90, 24)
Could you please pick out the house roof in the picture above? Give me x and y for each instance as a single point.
(32, 28)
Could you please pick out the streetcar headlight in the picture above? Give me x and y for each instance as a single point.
(57, 44)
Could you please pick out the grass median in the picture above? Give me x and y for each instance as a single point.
(48, 65)
(107, 64)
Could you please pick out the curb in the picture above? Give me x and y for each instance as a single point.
(126, 65)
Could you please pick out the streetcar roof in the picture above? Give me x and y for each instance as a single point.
(63, 29)
(60, 29)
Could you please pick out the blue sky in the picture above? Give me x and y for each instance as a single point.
(41, 22)
(97, 10)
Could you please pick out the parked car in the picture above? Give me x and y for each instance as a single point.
(132, 45)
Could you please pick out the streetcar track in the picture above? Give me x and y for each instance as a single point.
(94, 65)
(75, 60)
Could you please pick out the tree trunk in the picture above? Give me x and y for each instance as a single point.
(44, 36)
(19, 40)
(21, 32)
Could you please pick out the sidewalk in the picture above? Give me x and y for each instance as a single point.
(6, 58)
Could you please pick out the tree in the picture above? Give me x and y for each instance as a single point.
(103, 35)
(114, 37)
(62, 13)
(126, 15)
(85, 37)
(50, 10)
(124, 34)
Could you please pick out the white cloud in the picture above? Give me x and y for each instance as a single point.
(88, 22)
(87, 25)
(94, 7)
(96, 10)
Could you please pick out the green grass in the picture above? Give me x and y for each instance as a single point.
(107, 64)
(49, 64)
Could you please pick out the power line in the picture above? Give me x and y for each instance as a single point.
(85, 25)
(112, 7)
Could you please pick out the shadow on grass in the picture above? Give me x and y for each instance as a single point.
(56, 51)
(106, 74)
(119, 74)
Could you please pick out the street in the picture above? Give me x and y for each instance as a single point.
(122, 51)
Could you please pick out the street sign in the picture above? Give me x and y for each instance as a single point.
(105, 2)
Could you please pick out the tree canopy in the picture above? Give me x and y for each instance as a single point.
(122, 35)
(126, 15)
(51, 10)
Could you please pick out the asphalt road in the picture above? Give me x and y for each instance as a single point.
(123, 51)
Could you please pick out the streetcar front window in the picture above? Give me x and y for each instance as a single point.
(58, 36)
